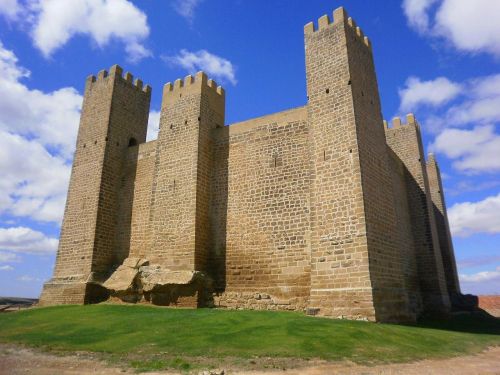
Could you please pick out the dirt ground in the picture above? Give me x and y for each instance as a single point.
(19, 360)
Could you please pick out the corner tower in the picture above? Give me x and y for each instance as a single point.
(114, 115)
(179, 222)
(406, 142)
(442, 226)
(356, 269)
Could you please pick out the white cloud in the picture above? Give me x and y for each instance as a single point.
(153, 125)
(26, 240)
(434, 93)
(54, 22)
(481, 283)
(215, 66)
(475, 150)
(6, 268)
(27, 279)
(481, 276)
(9, 8)
(186, 8)
(34, 180)
(470, 26)
(416, 12)
(469, 218)
(9, 257)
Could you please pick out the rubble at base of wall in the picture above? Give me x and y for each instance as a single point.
(136, 281)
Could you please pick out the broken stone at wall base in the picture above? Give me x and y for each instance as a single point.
(137, 281)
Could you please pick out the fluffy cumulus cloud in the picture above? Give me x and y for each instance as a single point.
(37, 138)
(417, 13)
(26, 240)
(10, 8)
(434, 92)
(472, 151)
(186, 8)
(215, 66)
(469, 218)
(54, 22)
(470, 26)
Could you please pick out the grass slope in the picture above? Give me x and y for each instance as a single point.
(123, 329)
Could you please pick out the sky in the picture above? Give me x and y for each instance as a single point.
(436, 58)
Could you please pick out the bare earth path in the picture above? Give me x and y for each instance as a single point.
(17, 360)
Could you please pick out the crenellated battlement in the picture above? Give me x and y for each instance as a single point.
(397, 123)
(116, 72)
(192, 84)
(339, 15)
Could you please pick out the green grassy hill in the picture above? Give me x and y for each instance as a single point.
(212, 333)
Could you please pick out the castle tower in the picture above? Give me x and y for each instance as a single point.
(406, 142)
(179, 221)
(114, 115)
(442, 225)
(356, 269)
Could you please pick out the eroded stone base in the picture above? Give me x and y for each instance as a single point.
(71, 291)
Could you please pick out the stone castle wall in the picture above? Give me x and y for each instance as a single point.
(319, 208)
(260, 210)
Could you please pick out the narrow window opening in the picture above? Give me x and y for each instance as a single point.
(349, 83)
(106, 139)
(362, 93)
(132, 142)
(275, 161)
(324, 155)
(171, 126)
(350, 151)
(327, 91)
(180, 95)
(84, 145)
(95, 142)
(186, 122)
(199, 118)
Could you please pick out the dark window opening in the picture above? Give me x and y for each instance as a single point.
(171, 126)
(132, 142)
(327, 91)
(349, 82)
(186, 122)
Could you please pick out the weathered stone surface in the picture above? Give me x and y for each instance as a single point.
(122, 280)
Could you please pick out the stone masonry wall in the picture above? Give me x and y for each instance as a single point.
(405, 141)
(137, 183)
(260, 212)
(384, 253)
(404, 233)
(443, 227)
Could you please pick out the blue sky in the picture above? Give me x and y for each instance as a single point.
(436, 58)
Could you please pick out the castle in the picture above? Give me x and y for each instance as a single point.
(324, 208)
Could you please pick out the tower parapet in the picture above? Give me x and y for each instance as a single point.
(339, 16)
